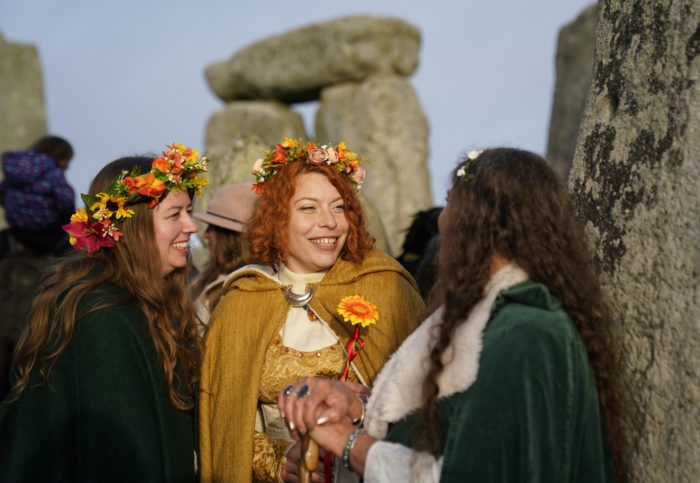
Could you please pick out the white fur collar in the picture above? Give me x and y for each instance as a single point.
(397, 390)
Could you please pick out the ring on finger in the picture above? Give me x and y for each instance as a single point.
(288, 390)
(303, 392)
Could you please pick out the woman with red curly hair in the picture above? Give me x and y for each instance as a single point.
(286, 316)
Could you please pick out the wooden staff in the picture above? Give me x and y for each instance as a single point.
(309, 458)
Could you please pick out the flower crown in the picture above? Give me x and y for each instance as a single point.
(347, 162)
(471, 157)
(177, 169)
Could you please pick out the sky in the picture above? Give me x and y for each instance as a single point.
(125, 77)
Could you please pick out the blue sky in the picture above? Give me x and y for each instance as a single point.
(128, 76)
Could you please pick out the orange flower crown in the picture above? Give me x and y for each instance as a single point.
(290, 150)
(178, 168)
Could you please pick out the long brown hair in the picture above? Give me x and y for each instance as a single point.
(510, 202)
(265, 235)
(133, 264)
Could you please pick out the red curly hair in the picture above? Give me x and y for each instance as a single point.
(266, 236)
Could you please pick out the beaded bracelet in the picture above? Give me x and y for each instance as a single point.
(349, 444)
(360, 421)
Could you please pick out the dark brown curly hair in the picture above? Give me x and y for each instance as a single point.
(265, 236)
(134, 264)
(509, 202)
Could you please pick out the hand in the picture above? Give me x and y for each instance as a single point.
(290, 470)
(313, 401)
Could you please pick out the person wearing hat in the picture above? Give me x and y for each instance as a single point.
(227, 213)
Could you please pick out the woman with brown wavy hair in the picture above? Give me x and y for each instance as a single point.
(511, 377)
(314, 273)
(105, 371)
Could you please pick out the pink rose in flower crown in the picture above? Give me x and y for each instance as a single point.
(318, 156)
(358, 176)
(333, 155)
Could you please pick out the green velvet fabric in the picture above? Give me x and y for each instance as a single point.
(532, 415)
(104, 415)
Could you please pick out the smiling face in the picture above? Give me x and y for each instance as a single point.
(173, 226)
(317, 226)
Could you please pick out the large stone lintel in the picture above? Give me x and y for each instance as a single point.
(294, 66)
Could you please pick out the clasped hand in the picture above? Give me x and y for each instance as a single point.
(323, 409)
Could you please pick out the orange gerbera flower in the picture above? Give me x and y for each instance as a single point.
(357, 310)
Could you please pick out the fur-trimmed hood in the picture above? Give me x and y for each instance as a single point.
(397, 390)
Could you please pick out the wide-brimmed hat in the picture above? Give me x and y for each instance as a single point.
(230, 207)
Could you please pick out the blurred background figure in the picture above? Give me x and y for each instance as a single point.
(228, 211)
(36, 195)
(38, 200)
(419, 248)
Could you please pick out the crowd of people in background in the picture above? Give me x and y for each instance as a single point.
(301, 352)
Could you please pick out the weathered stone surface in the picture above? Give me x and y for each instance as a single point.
(382, 119)
(295, 66)
(574, 67)
(231, 161)
(268, 120)
(635, 179)
(22, 112)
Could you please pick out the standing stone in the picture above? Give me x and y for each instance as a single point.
(635, 178)
(268, 120)
(381, 118)
(295, 66)
(232, 162)
(22, 113)
(574, 67)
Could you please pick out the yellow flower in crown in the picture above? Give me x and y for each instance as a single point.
(108, 205)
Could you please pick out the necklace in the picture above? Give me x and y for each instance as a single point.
(301, 300)
(298, 300)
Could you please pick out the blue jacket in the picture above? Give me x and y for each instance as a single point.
(35, 193)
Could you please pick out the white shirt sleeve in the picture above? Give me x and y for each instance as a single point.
(393, 462)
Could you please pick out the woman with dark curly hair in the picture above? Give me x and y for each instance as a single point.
(510, 378)
(104, 374)
(291, 314)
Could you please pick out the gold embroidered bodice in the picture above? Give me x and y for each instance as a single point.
(283, 366)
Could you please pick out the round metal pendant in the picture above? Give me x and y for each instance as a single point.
(298, 300)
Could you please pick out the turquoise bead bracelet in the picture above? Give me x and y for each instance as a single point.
(349, 445)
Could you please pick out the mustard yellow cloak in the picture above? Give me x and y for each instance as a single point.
(251, 312)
